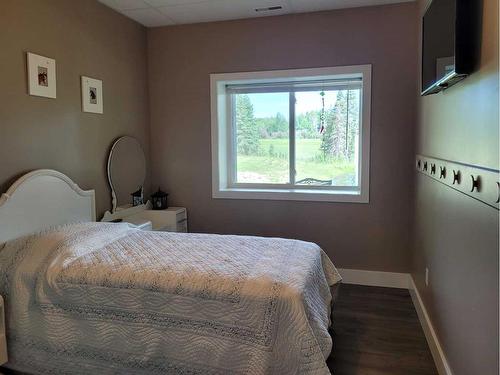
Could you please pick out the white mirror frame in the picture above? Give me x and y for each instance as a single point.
(114, 200)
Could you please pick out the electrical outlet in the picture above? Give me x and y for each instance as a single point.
(426, 276)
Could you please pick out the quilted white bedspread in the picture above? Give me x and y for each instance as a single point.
(100, 298)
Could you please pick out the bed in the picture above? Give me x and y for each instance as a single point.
(84, 298)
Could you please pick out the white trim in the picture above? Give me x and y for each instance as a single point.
(312, 74)
(221, 143)
(292, 142)
(437, 351)
(318, 195)
(375, 278)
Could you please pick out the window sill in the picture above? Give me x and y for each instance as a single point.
(311, 195)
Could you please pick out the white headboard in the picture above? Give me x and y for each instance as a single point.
(42, 199)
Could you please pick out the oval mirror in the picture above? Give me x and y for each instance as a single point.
(126, 170)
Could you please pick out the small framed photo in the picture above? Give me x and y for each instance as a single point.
(41, 76)
(92, 95)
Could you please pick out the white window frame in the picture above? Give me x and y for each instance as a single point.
(223, 148)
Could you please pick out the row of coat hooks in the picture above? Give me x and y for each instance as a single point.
(480, 183)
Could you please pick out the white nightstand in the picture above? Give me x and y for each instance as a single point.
(173, 219)
(3, 339)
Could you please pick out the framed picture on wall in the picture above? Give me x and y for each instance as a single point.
(92, 95)
(41, 76)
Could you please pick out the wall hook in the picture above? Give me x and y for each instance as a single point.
(442, 172)
(475, 183)
(433, 168)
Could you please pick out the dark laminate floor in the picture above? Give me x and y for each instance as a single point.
(377, 332)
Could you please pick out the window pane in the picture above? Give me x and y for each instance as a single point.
(262, 138)
(327, 137)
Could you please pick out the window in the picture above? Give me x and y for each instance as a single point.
(292, 134)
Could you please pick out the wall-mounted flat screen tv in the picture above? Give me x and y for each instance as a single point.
(449, 43)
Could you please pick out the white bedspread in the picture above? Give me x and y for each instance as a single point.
(100, 298)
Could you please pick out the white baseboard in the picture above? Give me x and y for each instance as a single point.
(374, 278)
(404, 281)
(437, 351)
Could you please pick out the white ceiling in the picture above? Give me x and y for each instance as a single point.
(171, 12)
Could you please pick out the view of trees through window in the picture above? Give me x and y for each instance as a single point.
(326, 137)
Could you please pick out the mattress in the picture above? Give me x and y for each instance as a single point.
(108, 298)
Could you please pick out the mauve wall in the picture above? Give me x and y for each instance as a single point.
(457, 236)
(371, 236)
(85, 38)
